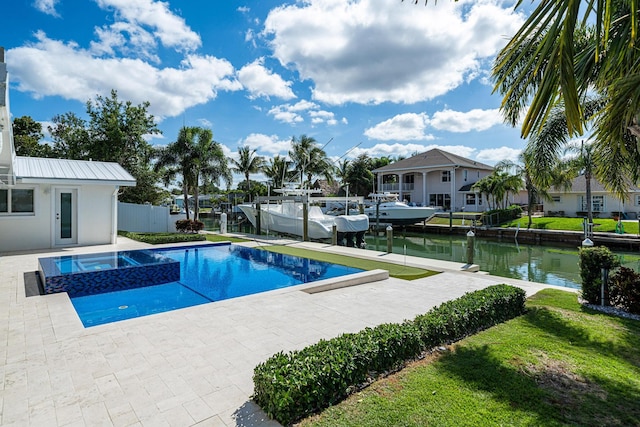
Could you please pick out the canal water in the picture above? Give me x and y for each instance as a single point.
(545, 264)
(554, 265)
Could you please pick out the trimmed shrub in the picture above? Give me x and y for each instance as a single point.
(456, 319)
(624, 289)
(592, 261)
(290, 386)
(189, 225)
(159, 238)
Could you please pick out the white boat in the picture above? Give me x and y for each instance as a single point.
(387, 209)
(286, 217)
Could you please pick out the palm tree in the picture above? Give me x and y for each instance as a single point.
(277, 170)
(484, 187)
(342, 170)
(499, 185)
(583, 163)
(359, 175)
(197, 158)
(512, 180)
(309, 159)
(537, 181)
(248, 162)
(554, 60)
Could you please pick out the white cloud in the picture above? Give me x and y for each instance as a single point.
(285, 115)
(53, 68)
(303, 105)
(413, 126)
(321, 116)
(137, 43)
(169, 28)
(408, 150)
(293, 113)
(403, 127)
(494, 155)
(456, 121)
(260, 81)
(46, 6)
(371, 52)
(270, 144)
(205, 123)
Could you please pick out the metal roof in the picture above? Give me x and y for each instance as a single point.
(42, 170)
(433, 159)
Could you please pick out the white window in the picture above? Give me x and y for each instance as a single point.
(637, 200)
(17, 201)
(597, 203)
(470, 199)
(442, 200)
(465, 174)
(446, 176)
(556, 199)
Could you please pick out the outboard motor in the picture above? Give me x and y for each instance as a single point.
(352, 227)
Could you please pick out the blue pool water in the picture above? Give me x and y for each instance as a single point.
(207, 274)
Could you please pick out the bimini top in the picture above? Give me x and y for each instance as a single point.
(36, 170)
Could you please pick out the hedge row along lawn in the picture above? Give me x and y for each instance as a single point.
(560, 364)
(290, 386)
(395, 270)
(160, 238)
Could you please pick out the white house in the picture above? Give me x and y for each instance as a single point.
(435, 178)
(604, 204)
(51, 203)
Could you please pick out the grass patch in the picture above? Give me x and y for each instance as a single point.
(395, 270)
(558, 365)
(459, 218)
(221, 238)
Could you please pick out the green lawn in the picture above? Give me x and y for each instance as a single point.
(606, 225)
(558, 365)
(574, 224)
(224, 238)
(395, 270)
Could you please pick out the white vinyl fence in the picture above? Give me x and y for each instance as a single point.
(146, 218)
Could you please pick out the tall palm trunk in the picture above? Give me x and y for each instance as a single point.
(196, 195)
(185, 192)
(587, 177)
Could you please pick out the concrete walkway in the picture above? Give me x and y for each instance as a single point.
(185, 367)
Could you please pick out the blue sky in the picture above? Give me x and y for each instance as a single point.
(389, 78)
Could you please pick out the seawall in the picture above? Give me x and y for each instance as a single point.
(627, 242)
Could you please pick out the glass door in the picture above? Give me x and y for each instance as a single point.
(66, 229)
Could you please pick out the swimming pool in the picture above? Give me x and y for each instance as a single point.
(206, 274)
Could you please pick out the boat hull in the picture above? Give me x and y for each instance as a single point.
(319, 227)
(400, 216)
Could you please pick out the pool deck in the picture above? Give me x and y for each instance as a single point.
(186, 367)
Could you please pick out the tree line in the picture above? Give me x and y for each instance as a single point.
(118, 131)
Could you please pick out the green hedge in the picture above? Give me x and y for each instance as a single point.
(189, 225)
(624, 289)
(159, 238)
(290, 386)
(591, 262)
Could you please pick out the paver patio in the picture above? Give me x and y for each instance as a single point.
(186, 367)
